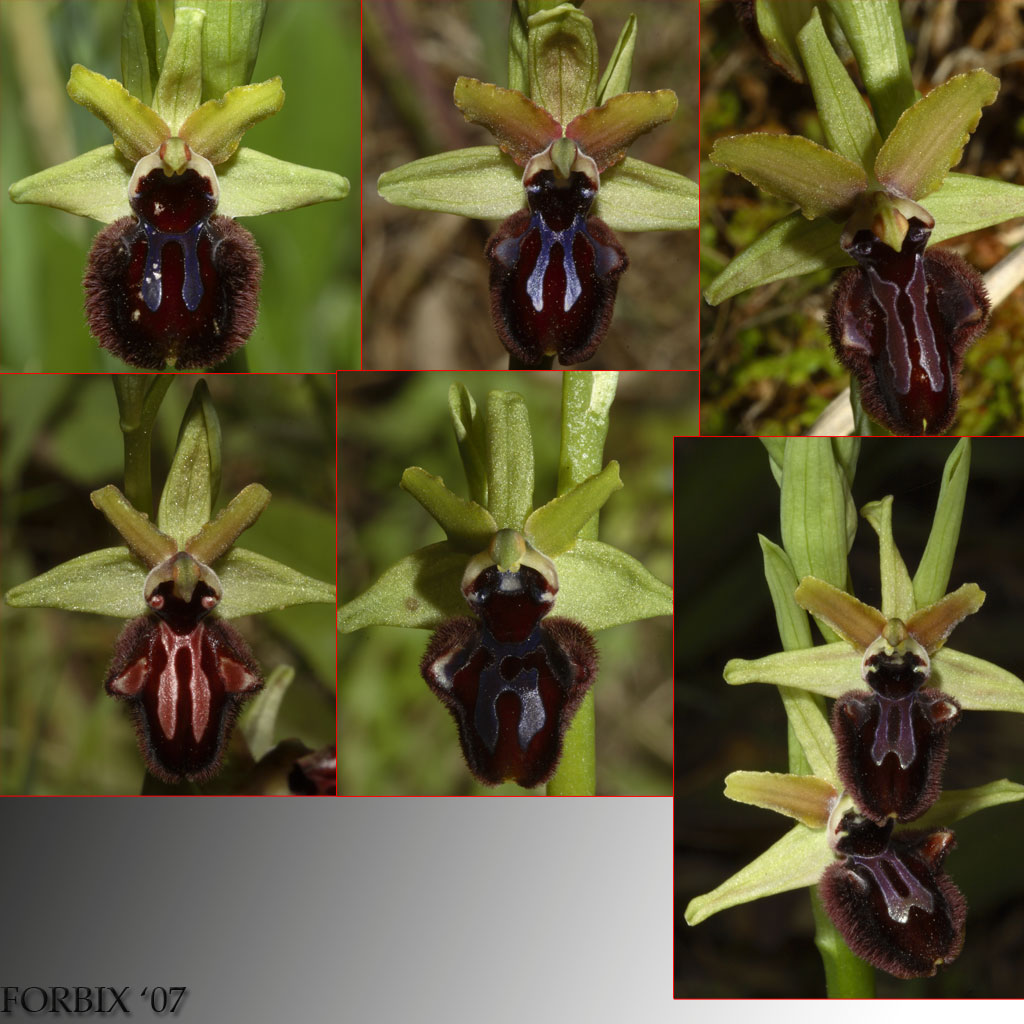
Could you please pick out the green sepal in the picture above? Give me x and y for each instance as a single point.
(258, 722)
(978, 685)
(932, 576)
(845, 118)
(468, 525)
(819, 181)
(104, 582)
(143, 45)
(602, 587)
(563, 62)
(966, 202)
(476, 182)
(955, 804)
(470, 435)
(420, 591)
(638, 196)
(554, 527)
(509, 460)
(215, 129)
(252, 183)
(137, 129)
(180, 88)
(929, 138)
(604, 133)
(521, 127)
(798, 859)
(231, 43)
(829, 670)
(789, 248)
(804, 797)
(897, 590)
(254, 583)
(147, 542)
(216, 536)
(94, 184)
(620, 65)
(188, 495)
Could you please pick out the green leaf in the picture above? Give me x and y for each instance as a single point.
(790, 618)
(137, 130)
(509, 455)
(845, 118)
(602, 587)
(789, 248)
(897, 590)
(420, 592)
(930, 137)
(252, 183)
(587, 399)
(94, 184)
(799, 858)
(471, 439)
(968, 203)
(955, 804)
(978, 685)
(778, 22)
(554, 527)
(563, 62)
(605, 132)
(254, 583)
(231, 43)
(637, 196)
(804, 797)
(215, 129)
(518, 70)
(143, 45)
(468, 525)
(875, 34)
(521, 127)
(259, 720)
(180, 88)
(104, 582)
(932, 576)
(477, 182)
(793, 168)
(620, 65)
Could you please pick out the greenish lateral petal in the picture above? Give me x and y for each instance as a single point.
(845, 118)
(254, 583)
(931, 626)
(830, 670)
(804, 797)
(792, 247)
(420, 592)
(620, 65)
(147, 543)
(477, 182)
(897, 590)
(259, 720)
(180, 88)
(522, 128)
(252, 183)
(932, 576)
(563, 62)
(955, 804)
(819, 181)
(216, 128)
(978, 685)
(470, 435)
(856, 622)
(231, 42)
(605, 132)
(638, 196)
(143, 45)
(799, 858)
(602, 587)
(509, 455)
(468, 525)
(929, 138)
(104, 582)
(137, 130)
(94, 184)
(805, 713)
(554, 527)
(216, 536)
(968, 203)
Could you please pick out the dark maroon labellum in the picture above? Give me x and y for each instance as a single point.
(186, 677)
(511, 682)
(175, 285)
(315, 774)
(891, 901)
(901, 323)
(554, 272)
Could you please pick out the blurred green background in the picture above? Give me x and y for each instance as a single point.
(309, 305)
(425, 285)
(395, 736)
(767, 366)
(59, 731)
(725, 496)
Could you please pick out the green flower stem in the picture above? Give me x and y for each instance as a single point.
(586, 400)
(846, 975)
(138, 401)
(545, 364)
